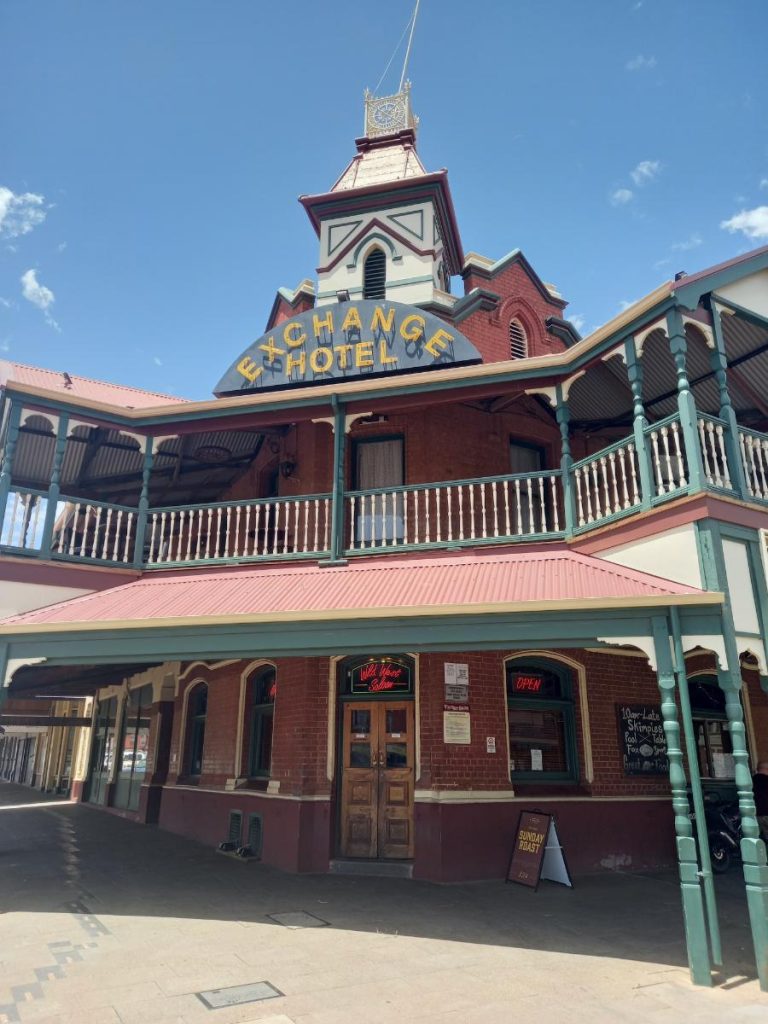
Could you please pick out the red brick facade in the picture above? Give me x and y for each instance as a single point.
(466, 807)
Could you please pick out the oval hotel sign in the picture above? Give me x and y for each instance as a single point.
(347, 340)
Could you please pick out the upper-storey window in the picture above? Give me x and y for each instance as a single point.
(518, 340)
(375, 275)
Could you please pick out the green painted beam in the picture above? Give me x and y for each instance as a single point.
(690, 887)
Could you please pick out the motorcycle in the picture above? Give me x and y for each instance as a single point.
(723, 832)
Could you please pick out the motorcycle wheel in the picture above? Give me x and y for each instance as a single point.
(720, 856)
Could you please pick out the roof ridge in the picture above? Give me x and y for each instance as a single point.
(96, 380)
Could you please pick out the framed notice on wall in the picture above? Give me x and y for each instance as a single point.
(643, 743)
(457, 727)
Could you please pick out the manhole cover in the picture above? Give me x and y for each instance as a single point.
(216, 998)
(299, 919)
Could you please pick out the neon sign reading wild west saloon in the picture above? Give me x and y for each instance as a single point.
(346, 340)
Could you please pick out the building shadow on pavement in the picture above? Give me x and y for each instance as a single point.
(54, 854)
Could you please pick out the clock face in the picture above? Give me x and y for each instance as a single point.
(388, 114)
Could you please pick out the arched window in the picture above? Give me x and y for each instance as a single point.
(518, 340)
(197, 710)
(375, 275)
(711, 728)
(262, 691)
(542, 737)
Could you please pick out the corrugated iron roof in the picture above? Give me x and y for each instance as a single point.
(484, 580)
(82, 387)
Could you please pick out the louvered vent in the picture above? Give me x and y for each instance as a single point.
(235, 827)
(518, 341)
(255, 834)
(375, 275)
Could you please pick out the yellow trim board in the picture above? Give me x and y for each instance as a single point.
(407, 611)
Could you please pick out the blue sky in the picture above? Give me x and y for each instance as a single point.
(153, 150)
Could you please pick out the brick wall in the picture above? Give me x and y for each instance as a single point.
(521, 300)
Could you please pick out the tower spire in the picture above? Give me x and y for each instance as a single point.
(408, 48)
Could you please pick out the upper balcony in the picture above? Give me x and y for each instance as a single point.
(530, 451)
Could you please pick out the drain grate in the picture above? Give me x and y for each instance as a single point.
(235, 995)
(299, 919)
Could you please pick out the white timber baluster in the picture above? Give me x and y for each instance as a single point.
(327, 518)
(726, 472)
(461, 511)
(531, 522)
(518, 508)
(555, 503)
(128, 536)
(703, 425)
(118, 528)
(472, 511)
(542, 506)
(151, 538)
(579, 500)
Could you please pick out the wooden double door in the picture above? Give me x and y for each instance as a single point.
(377, 779)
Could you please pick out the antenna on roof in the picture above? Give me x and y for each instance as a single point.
(408, 48)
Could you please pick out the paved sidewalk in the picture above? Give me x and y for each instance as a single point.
(106, 922)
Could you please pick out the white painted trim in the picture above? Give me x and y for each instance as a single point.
(463, 796)
(711, 643)
(706, 331)
(260, 793)
(468, 796)
(210, 665)
(642, 336)
(568, 384)
(752, 645)
(14, 664)
(549, 393)
(643, 643)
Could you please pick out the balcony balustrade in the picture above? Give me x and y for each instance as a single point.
(526, 506)
(243, 531)
(515, 508)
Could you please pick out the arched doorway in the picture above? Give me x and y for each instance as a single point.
(377, 746)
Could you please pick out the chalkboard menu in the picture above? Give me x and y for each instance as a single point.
(644, 746)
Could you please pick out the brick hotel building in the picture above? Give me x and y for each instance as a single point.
(424, 560)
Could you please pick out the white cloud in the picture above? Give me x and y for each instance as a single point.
(5, 345)
(752, 223)
(38, 295)
(578, 322)
(641, 63)
(693, 242)
(5, 302)
(645, 171)
(19, 214)
(621, 196)
(662, 263)
(764, 183)
(157, 361)
(61, 246)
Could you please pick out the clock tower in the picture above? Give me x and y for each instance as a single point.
(387, 227)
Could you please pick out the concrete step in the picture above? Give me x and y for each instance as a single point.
(373, 868)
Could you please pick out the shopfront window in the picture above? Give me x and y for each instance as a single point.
(542, 738)
(102, 750)
(197, 711)
(711, 729)
(134, 748)
(263, 692)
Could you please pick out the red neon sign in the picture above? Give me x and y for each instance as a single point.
(380, 676)
(527, 684)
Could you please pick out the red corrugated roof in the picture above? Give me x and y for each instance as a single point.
(371, 584)
(82, 387)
